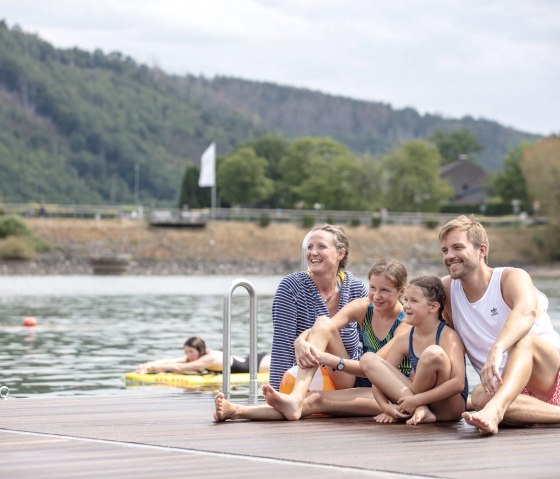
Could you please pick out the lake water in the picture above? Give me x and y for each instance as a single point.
(93, 329)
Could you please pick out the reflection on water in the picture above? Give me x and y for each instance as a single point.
(86, 341)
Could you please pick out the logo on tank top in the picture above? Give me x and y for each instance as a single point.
(494, 311)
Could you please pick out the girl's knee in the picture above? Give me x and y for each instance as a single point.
(479, 398)
(434, 354)
(369, 361)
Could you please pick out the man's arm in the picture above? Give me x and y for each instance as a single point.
(447, 309)
(519, 294)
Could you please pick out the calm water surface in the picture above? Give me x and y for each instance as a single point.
(93, 329)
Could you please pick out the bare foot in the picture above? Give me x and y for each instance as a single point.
(485, 421)
(224, 409)
(384, 418)
(422, 415)
(289, 407)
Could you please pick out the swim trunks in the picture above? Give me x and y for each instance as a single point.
(555, 399)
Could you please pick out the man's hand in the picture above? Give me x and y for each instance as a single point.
(490, 377)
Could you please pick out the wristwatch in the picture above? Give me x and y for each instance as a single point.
(340, 365)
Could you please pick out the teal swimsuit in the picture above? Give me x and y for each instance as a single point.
(373, 344)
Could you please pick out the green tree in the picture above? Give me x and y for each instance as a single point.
(540, 164)
(369, 183)
(241, 178)
(272, 148)
(452, 145)
(318, 170)
(191, 194)
(413, 182)
(510, 183)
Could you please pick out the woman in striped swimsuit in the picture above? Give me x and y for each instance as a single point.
(380, 317)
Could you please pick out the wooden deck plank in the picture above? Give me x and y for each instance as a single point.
(321, 446)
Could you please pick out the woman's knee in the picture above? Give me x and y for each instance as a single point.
(324, 324)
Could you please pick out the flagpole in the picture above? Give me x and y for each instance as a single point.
(213, 202)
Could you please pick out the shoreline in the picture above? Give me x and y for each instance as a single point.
(241, 248)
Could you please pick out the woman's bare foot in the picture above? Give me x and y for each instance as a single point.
(289, 407)
(384, 418)
(422, 415)
(224, 409)
(485, 421)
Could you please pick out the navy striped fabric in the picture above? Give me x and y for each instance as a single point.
(297, 304)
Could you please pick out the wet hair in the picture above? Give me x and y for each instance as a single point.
(392, 269)
(433, 290)
(340, 241)
(196, 343)
(476, 233)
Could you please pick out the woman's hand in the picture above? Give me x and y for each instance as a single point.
(307, 355)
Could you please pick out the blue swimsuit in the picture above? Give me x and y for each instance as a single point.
(415, 359)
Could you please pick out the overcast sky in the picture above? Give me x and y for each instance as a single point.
(493, 59)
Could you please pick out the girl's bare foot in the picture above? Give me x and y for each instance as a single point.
(289, 407)
(422, 415)
(384, 418)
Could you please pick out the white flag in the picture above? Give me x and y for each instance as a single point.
(208, 167)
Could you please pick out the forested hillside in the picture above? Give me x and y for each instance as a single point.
(78, 127)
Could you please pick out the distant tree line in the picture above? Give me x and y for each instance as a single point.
(93, 127)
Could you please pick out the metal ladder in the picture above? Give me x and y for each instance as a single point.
(253, 366)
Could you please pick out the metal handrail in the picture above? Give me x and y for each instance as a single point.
(253, 366)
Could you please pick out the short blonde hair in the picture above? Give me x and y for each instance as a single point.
(476, 233)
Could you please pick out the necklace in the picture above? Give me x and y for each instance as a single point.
(336, 288)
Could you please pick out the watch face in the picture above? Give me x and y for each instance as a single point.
(340, 365)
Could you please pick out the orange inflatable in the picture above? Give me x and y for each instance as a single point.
(320, 382)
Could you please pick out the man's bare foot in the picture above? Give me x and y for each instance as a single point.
(289, 407)
(224, 409)
(485, 421)
(384, 418)
(422, 415)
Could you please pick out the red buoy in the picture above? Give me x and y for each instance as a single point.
(29, 321)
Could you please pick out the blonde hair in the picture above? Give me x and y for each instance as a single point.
(476, 233)
(392, 269)
(340, 241)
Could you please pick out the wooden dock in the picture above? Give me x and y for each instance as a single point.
(162, 433)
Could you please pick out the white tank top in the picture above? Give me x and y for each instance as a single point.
(479, 323)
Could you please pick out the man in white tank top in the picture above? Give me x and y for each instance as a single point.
(501, 318)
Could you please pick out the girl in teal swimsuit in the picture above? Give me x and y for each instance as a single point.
(437, 388)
